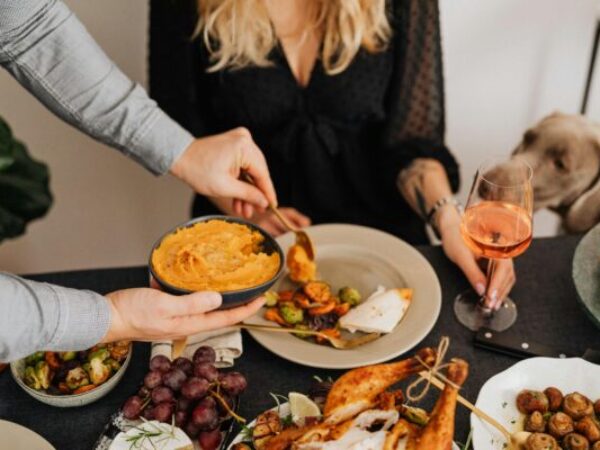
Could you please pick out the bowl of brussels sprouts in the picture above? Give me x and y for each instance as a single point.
(76, 378)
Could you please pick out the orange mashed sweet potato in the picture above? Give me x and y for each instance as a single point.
(302, 269)
(215, 255)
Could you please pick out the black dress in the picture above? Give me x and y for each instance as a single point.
(335, 147)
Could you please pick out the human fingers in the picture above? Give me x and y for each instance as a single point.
(299, 219)
(186, 305)
(247, 210)
(188, 325)
(501, 283)
(256, 165)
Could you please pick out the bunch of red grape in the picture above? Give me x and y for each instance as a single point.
(192, 393)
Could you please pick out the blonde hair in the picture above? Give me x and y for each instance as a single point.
(239, 33)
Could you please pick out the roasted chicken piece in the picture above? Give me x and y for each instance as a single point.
(439, 431)
(359, 389)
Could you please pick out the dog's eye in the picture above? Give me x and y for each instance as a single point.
(559, 165)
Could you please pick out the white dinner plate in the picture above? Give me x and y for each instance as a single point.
(364, 258)
(17, 437)
(284, 410)
(498, 395)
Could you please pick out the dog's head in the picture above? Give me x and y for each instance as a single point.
(564, 152)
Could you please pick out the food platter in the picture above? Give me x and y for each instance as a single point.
(586, 273)
(498, 394)
(366, 258)
(283, 410)
(17, 437)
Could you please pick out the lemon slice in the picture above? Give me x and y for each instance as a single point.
(302, 407)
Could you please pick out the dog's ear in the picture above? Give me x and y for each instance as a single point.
(529, 137)
(584, 213)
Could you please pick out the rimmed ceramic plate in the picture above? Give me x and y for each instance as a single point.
(364, 258)
(498, 395)
(586, 273)
(284, 410)
(17, 437)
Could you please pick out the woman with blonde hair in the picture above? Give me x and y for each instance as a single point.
(344, 97)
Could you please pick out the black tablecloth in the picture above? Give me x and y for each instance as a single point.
(548, 313)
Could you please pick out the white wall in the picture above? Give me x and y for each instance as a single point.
(507, 64)
(108, 211)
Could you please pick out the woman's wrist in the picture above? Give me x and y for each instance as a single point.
(447, 219)
(116, 324)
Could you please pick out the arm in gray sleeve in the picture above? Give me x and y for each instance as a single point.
(45, 47)
(39, 316)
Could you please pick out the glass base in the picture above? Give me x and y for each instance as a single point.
(471, 315)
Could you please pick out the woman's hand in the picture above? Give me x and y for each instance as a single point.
(457, 251)
(146, 314)
(272, 225)
(212, 167)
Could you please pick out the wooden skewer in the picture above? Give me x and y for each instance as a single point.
(466, 403)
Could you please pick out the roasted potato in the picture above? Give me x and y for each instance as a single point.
(596, 446)
(535, 423)
(575, 441)
(560, 425)
(555, 398)
(577, 406)
(541, 441)
(589, 427)
(529, 401)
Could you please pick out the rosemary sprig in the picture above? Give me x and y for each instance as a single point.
(137, 440)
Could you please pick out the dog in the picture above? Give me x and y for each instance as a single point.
(564, 152)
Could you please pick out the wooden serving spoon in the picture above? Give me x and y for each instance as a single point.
(302, 238)
(514, 441)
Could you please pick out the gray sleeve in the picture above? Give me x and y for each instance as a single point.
(39, 316)
(45, 47)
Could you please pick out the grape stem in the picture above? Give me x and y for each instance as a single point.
(225, 405)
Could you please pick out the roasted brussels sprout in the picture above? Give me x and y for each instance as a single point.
(301, 326)
(529, 401)
(555, 398)
(349, 295)
(574, 441)
(67, 356)
(113, 364)
(541, 441)
(43, 374)
(560, 425)
(98, 371)
(291, 313)
(119, 350)
(76, 378)
(415, 415)
(30, 378)
(577, 406)
(271, 298)
(589, 427)
(535, 423)
(34, 358)
(101, 354)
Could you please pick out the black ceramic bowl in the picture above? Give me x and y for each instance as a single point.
(231, 299)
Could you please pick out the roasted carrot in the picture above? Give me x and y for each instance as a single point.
(341, 309)
(331, 332)
(52, 360)
(324, 309)
(82, 389)
(273, 315)
(317, 291)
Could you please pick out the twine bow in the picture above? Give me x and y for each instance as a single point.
(432, 371)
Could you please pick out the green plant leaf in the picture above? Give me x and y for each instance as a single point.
(24, 186)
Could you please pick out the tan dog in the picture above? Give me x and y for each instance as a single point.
(564, 152)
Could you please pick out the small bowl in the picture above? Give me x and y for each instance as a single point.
(17, 369)
(231, 299)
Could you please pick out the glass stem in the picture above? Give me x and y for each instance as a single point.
(483, 301)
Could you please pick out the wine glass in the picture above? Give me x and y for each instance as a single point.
(497, 224)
